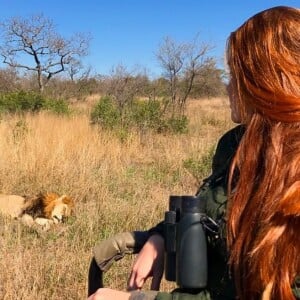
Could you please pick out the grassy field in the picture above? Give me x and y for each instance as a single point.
(117, 185)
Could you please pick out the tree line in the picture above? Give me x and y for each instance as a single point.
(36, 56)
(40, 65)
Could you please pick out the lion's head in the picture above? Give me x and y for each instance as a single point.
(59, 209)
(50, 206)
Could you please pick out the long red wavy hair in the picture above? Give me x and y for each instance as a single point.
(263, 228)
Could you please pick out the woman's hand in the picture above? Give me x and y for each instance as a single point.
(149, 262)
(109, 294)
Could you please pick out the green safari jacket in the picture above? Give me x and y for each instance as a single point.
(213, 191)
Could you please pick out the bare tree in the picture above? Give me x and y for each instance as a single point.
(210, 81)
(36, 38)
(74, 68)
(9, 80)
(122, 86)
(180, 63)
(125, 86)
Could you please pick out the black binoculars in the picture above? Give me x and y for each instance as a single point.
(185, 242)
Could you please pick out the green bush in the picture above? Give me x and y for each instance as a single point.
(137, 114)
(22, 101)
(57, 106)
(146, 114)
(106, 114)
(174, 125)
(178, 124)
(200, 168)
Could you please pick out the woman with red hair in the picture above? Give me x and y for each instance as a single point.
(263, 227)
(263, 206)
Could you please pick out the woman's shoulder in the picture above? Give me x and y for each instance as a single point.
(232, 137)
(227, 146)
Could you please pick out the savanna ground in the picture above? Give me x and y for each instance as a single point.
(118, 184)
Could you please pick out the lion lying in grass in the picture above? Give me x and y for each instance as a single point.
(44, 209)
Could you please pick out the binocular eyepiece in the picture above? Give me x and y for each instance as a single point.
(185, 242)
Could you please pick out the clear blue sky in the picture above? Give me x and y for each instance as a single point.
(129, 32)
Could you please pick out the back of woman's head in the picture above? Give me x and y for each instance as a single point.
(264, 57)
(264, 208)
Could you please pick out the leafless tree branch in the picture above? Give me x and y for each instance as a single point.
(36, 37)
(180, 63)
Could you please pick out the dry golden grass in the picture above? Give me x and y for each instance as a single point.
(117, 186)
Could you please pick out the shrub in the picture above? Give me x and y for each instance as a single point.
(141, 114)
(200, 168)
(57, 106)
(146, 114)
(22, 101)
(106, 114)
(178, 124)
(137, 114)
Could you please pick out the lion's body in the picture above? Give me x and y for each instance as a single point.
(44, 209)
(11, 205)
